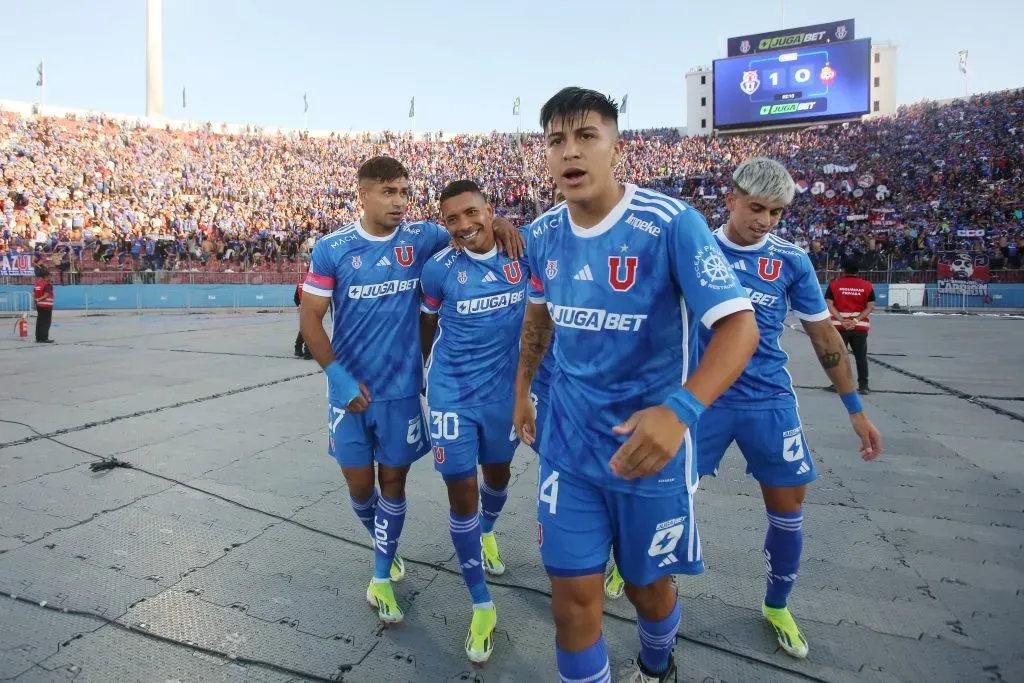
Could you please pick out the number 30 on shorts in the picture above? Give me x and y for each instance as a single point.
(444, 425)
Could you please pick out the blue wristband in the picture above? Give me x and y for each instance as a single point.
(686, 406)
(342, 387)
(852, 402)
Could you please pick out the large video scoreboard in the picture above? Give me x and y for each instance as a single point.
(812, 83)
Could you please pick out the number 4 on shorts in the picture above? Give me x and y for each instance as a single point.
(548, 492)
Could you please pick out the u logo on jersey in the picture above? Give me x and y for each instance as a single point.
(404, 255)
(513, 272)
(622, 276)
(769, 268)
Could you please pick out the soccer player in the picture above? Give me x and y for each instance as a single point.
(473, 305)
(759, 411)
(370, 269)
(627, 275)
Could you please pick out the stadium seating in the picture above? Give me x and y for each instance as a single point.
(893, 191)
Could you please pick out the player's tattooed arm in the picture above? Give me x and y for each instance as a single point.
(831, 352)
(533, 344)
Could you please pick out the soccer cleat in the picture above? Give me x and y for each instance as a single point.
(640, 674)
(480, 640)
(786, 630)
(614, 586)
(381, 596)
(397, 569)
(492, 558)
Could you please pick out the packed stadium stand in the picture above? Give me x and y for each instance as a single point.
(100, 200)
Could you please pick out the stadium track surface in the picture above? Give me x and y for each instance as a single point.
(229, 552)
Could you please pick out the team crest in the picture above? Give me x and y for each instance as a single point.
(462, 277)
(438, 454)
(750, 82)
(404, 255)
(552, 270)
(827, 75)
(745, 46)
(513, 272)
(769, 268)
(622, 272)
(357, 262)
(840, 31)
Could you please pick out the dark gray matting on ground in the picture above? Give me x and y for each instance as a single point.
(231, 552)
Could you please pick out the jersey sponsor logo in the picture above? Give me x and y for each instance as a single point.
(357, 262)
(513, 272)
(760, 298)
(595, 319)
(552, 269)
(489, 303)
(404, 255)
(462, 277)
(769, 268)
(647, 226)
(341, 239)
(386, 288)
(622, 277)
(411, 231)
(712, 269)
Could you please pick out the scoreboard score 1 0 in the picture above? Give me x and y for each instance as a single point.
(814, 82)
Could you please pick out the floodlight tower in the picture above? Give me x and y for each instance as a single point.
(154, 59)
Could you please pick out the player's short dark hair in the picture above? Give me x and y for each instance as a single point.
(573, 104)
(382, 169)
(457, 187)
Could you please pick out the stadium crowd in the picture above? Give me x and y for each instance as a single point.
(87, 195)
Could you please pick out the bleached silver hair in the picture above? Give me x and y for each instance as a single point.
(764, 177)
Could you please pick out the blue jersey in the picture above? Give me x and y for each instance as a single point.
(627, 297)
(374, 283)
(480, 301)
(778, 277)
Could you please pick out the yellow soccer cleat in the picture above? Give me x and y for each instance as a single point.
(381, 596)
(397, 569)
(614, 586)
(492, 558)
(480, 640)
(786, 630)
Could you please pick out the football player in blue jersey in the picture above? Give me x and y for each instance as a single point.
(369, 271)
(627, 275)
(759, 411)
(542, 380)
(474, 299)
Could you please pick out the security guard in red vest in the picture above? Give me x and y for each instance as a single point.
(850, 300)
(42, 294)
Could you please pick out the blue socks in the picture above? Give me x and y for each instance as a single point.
(465, 533)
(591, 665)
(387, 525)
(366, 511)
(657, 638)
(491, 502)
(782, 546)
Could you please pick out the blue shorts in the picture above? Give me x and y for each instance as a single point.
(542, 408)
(772, 442)
(579, 522)
(465, 437)
(388, 432)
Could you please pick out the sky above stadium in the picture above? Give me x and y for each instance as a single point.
(251, 61)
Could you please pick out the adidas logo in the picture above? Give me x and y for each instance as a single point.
(669, 559)
(490, 277)
(384, 261)
(584, 274)
(469, 565)
(803, 469)
(739, 265)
